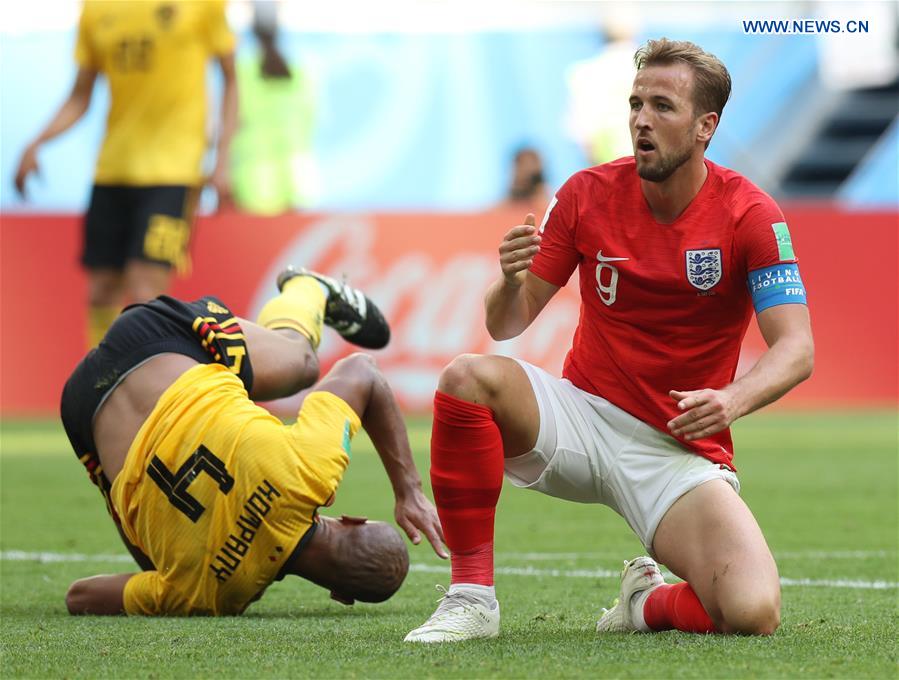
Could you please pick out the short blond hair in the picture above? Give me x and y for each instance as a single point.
(712, 83)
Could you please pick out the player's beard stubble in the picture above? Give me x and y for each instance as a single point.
(664, 165)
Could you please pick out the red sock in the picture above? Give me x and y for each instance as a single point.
(677, 607)
(467, 476)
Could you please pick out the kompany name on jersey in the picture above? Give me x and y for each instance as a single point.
(238, 543)
(704, 267)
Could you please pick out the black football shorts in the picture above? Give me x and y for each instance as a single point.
(151, 223)
(205, 330)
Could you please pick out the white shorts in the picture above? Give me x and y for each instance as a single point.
(591, 451)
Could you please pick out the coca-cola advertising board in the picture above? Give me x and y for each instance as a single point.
(428, 273)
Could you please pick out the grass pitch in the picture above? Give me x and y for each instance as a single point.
(823, 486)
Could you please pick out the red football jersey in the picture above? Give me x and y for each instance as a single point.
(663, 306)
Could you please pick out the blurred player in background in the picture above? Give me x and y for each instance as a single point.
(274, 169)
(527, 188)
(149, 170)
(598, 89)
(673, 252)
(215, 497)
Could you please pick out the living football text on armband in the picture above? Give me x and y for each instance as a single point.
(779, 284)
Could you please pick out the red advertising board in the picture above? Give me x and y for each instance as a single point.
(428, 272)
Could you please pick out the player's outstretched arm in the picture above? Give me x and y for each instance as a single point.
(515, 300)
(98, 595)
(787, 362)
(69, 113)
(357, 380)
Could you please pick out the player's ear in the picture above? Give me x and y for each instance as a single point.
(707, 123)
(352, 519)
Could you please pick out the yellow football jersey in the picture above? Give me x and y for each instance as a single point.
(154, 55)
(218, 493)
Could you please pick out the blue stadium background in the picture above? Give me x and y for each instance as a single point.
(428, 121)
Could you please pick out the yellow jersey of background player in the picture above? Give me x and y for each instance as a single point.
(154, 55)
(138, 225)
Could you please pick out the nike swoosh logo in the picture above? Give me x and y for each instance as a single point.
(610, 259)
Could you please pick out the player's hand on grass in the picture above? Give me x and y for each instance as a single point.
(27, 165)
(517, 251)
(416, 515)
(704, 413)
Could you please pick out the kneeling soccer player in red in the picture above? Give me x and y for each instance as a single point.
(673, 252)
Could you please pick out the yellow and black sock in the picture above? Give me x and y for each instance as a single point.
(300, 306)
(99, 319)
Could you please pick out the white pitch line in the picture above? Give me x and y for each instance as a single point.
(526, 571)
(839, 583)
(834, 554)
(52, 557)
(46, 557)
(785, 555)
(605, 573)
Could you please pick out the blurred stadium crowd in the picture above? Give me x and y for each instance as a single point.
(364, 130)
(424, 106)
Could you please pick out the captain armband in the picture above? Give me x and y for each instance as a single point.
(779, 284)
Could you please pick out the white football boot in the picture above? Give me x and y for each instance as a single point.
(461, 615)
(638, 578)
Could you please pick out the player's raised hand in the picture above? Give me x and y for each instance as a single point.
(704, 413)
(415, 513)
(517, 251)
(27, 165)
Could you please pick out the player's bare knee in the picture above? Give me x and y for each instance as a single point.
(363, 367)
(771, 623)
(466, 377)
(362, 362)
(759, 617)
(144, 292)
(767, 614)
(365, 359)
(761, 620)
(105, 290)
(455, 375)
(309, 370)
(297, 361)
(305, 371)
(102, 297)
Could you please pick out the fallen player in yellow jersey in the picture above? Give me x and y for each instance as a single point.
(215, 497)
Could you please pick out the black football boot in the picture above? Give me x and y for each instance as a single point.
(347, 310)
